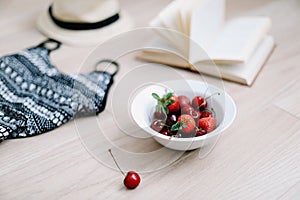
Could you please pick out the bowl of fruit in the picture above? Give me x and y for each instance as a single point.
(183, 114)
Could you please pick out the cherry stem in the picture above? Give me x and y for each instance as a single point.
(109, 150)
(218, 93)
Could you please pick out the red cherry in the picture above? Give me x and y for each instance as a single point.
(171, 119)
(203, 105)
(183, 100)
(157, 125)
(159, 115)
(187, 109)
(195, 115)
(199, 102)
(200, 132)
(132, 180)
(206, 114)
(165, 132)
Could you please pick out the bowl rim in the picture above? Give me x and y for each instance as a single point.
(228, 101)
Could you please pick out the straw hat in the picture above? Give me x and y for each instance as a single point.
(83, 22)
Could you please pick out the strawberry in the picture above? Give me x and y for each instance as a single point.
(167, 104)
(185, 124)
(175, 106)
(208, 123)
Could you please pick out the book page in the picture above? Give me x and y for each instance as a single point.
(185, 12)
(161, 29)
(243, 73)
(161, 46)
(169, 18)
(239, 38)
(206, 23)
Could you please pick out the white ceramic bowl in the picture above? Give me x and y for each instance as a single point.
(143, 105)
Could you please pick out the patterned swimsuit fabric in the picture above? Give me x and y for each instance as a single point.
(36, 98)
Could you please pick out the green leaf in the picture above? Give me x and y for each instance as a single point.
(169, 95)
(177, 126)
(166, 109)
(155, 96)
(168, 102)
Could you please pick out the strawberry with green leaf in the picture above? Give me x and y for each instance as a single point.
(165, 105)
(185, 124)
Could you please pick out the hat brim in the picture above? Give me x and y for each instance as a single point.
(83, 37)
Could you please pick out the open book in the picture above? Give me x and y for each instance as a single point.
(239, 47)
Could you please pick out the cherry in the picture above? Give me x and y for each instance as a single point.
(199, 102)
(195, 115)
(171, 119)
(165, 132)
(183, 100)
(206, 114)
(132, 179)
(187, 109)
(159, 115)
(200, 132)
(157, 125)
(203, 105)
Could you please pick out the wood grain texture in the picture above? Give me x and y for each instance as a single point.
(258, 157)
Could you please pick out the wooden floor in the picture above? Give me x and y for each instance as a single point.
(258, 157)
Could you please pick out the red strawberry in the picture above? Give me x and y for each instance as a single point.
(208, 123)
(173, 107)
(185, 123)
(167, 104)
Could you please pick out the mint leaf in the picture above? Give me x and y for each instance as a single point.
(155, 96)
(168, 102)
(166, 109)
(169, 95)
(177, 126)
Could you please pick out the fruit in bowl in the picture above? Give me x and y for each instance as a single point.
(204, 112)
(175, 116)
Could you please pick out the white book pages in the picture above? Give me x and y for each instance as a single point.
(239, 38)
(243, 73)
(169, 18)
(185, 14)
(206, 23)
(162, 47)
(162, 31)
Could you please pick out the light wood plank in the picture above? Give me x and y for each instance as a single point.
(256, 158)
